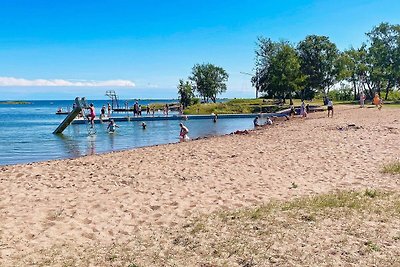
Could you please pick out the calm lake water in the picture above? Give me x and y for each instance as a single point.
(26, 132)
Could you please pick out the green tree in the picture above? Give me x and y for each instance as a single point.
(266, 50)
(277, 69)
(209, 81)
(384, 56)
(352, 70)
(319, 62)
(185, 93)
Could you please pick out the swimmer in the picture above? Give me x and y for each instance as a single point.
(111, 126)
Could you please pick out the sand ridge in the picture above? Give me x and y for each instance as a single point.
(108, 198)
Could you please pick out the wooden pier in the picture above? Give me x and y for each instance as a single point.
(181, 117)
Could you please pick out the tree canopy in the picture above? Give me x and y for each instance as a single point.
(278, 69)
(208, 81)
(319, 59)
(315, 65)
(185, 93)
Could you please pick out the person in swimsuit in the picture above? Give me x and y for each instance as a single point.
(109, 109)
(183, 133)
(92, 114)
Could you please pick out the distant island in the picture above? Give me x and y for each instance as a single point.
(15, 103)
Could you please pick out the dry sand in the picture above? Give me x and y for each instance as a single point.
(60, 213)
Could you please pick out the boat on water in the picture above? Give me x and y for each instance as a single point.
(61, 111)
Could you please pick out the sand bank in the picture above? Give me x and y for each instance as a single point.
(66, 211)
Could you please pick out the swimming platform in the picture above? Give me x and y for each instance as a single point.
(180, 117)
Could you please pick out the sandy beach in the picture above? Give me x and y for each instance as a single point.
(128, 208)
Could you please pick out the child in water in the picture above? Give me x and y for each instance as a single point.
(111, 126)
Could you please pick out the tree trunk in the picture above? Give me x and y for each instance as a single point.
(370, 90)
(355, 89)
(291, 99)
(387, 90)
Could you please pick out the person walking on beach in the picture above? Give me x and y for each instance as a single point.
(303, 111)
(330, 107)
(92, 114)
(362, 99)
(376, 100)
(183, 133)
(111, 126)
(147, 109)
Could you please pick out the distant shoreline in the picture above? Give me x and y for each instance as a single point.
(15, 103)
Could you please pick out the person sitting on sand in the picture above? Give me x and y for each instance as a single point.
(255, 122)
(268, 121)
(330, 107)
(111, 126)
(183, 133)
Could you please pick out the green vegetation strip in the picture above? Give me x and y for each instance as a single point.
(14, 103)
(392, 168)
(235, 106)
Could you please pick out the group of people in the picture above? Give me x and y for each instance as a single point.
(103, 111)
(183, 135)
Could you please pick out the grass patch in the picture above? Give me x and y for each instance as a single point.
(342, 228)
(236, 106)
(392, 168)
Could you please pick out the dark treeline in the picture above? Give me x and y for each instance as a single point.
(314, 65)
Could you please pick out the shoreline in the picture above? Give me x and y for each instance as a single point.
(99, 200)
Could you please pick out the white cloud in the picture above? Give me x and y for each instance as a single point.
(11, 81)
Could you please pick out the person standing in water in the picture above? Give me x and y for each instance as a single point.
(111, 126)
(183, 133)
(92, 114)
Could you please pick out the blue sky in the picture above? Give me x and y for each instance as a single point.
(62, 49)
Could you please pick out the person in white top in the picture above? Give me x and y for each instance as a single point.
(330, 107)
(362, 99)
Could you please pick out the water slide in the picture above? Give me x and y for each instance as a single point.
(79, 105)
